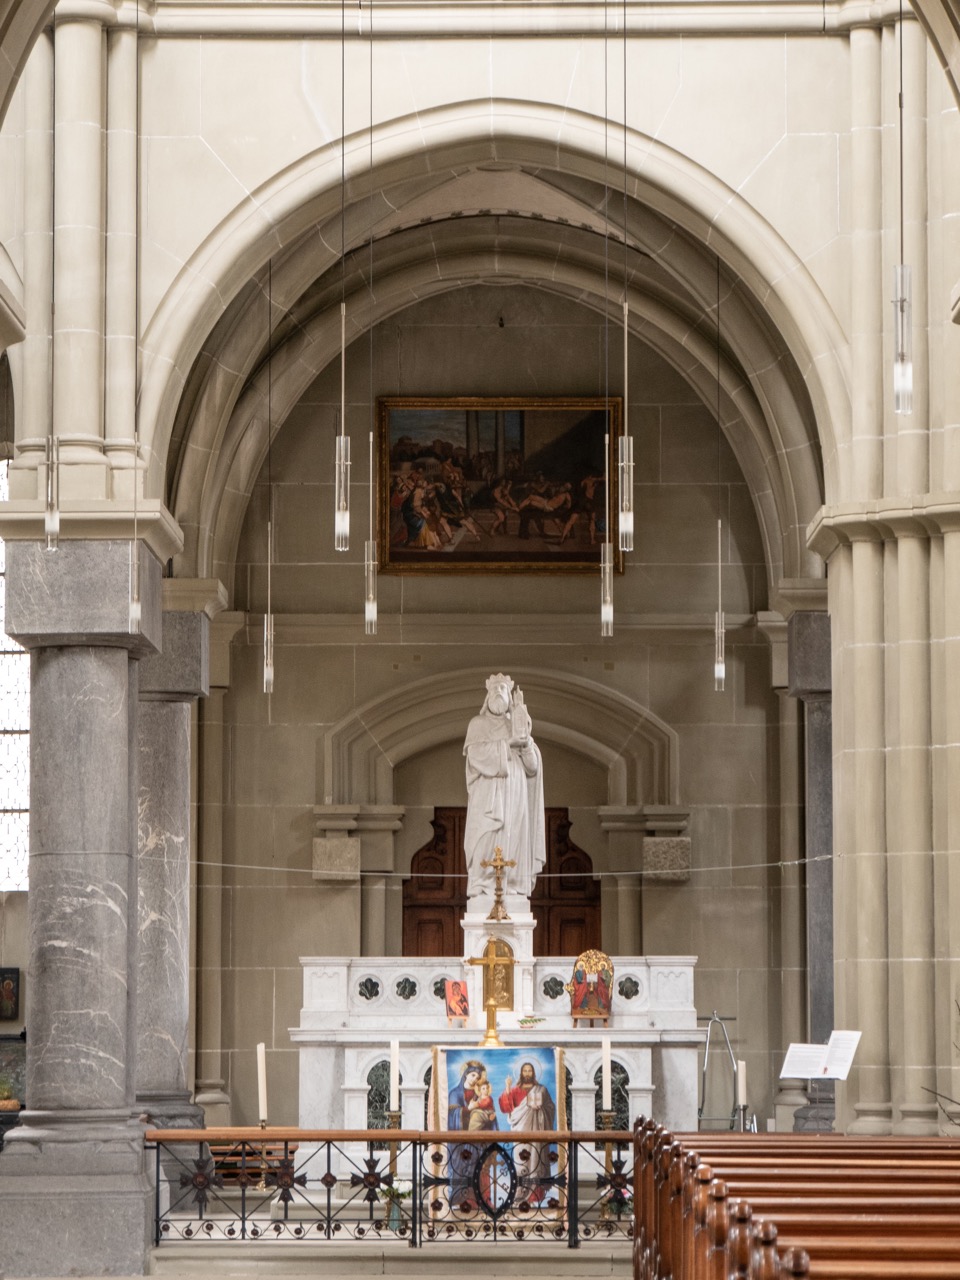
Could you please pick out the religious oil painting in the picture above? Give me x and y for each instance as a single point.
(491, 485)
(591, 987)
(9, 995)
(490, 1094)
(457, 1000)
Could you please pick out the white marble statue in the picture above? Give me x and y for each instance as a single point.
(505, 793)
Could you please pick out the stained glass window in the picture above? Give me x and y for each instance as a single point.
(14, 742)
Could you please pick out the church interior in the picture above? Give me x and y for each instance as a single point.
(259, 264)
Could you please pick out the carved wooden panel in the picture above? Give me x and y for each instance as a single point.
(566, 899)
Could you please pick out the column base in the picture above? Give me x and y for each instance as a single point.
(170, 1110)
(216, 1103)
(77, 1195)
(872, 1118)
(816, 1117)
(920, 1118)
(790, 1098)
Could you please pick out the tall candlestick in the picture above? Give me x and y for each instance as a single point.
(606, 1080)
(741, 1083)
(262, 1079)
(394, 1075)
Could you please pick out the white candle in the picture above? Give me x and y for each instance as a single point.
(394, 1075)
(741, 1083)
(606, 1081)
(262, 1079)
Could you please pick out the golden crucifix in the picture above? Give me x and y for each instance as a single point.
(497, 962)
(498, 911)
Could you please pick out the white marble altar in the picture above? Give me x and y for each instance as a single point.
(352, 1009)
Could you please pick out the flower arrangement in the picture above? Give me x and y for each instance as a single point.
(401, 1189)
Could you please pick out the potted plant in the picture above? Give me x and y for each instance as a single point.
(8, 1100)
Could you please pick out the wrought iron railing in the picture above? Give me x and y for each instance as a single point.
(423, 1188)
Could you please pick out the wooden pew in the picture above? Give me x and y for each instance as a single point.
(236, 1162)
(859, 1207)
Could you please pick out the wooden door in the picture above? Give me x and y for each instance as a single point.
(435, 896)
(565, 902)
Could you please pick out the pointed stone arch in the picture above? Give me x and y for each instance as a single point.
(538, 139)
(638, 750)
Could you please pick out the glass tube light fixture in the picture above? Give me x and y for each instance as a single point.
(370, 598)
(370, 565)
(268, 616)
(719, 627)
(625, 447)
(902, 287)
(341, 518)
(606, 589)
(606, 554)
(134, 608)
(903, 340)
(51, 513)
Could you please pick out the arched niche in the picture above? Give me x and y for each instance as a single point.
(637, 750)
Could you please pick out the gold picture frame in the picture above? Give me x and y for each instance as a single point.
(473, 484)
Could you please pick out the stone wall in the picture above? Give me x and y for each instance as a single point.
(432, 626)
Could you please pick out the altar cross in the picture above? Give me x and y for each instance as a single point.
(497, 963)
(498, 911)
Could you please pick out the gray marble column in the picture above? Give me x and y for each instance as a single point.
(78, 1144)
(169, 682)
(810, 681)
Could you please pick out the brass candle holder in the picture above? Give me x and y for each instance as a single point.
(607, 1120)
(393, 1122)
(262, 1184)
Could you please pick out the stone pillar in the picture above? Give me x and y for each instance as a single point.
(869, 288)
(873, 1108)
(120, 314)
(35, 405)
(790, 1093)
(210, 1093)
(912, 1048)
(169, 682)
(78, 1144)
(810, 681)
(947, 780)
(912, 472)
(79, 249)
(645, 844)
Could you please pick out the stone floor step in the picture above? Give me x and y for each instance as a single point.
(348, 1261)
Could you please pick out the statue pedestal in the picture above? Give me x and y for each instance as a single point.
(517, 933)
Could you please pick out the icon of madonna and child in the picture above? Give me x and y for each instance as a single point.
(492, 1094)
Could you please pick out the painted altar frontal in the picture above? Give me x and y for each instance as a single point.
(353, 1009)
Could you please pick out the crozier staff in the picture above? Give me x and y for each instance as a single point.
(504, 793)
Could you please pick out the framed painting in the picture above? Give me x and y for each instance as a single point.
(457, 1000)
(9, 995)
(490, 1093)
(496, 484)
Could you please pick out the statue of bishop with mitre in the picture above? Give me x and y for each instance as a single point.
(504, 793)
